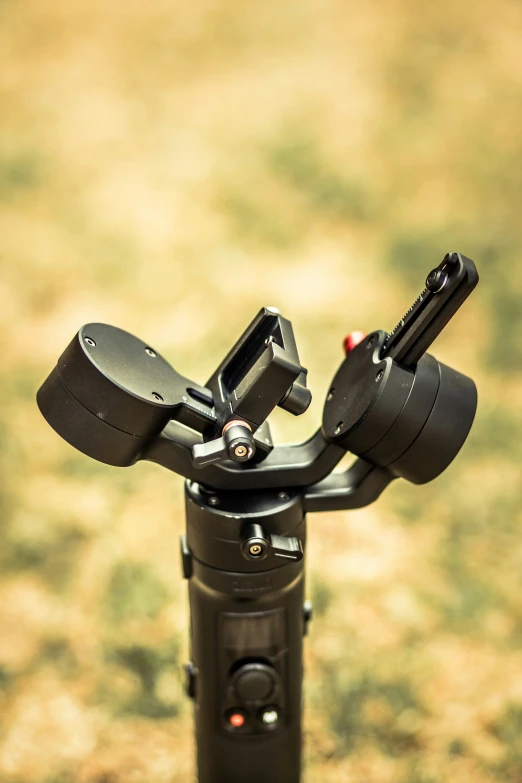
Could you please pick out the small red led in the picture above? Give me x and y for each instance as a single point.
(237, 720)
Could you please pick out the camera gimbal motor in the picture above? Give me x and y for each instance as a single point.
(395, 407)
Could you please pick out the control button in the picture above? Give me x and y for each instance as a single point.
(190, 681)
(186, 557)
(308, 613)
(236, 719)
(269, 717)
(254, 682)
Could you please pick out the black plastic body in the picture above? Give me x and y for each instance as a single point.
(411, 421)
(396, 408)
(244, 613)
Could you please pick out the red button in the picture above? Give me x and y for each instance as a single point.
(353, 340)
(237, 720)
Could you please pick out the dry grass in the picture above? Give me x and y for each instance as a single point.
(170, 167)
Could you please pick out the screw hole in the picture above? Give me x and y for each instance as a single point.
(90, 342)
(150, 352)
(157, 397)
(339, 428)
(379, 376)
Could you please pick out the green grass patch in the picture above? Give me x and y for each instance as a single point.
(148, 665)
(367, 709)
(135, 591)
(298, 161)
(52, 552)
(20, 173)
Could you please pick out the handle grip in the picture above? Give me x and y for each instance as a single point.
(248, 620)
(247, 664)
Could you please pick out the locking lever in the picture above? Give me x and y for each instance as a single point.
(236, 443)
(257, 545)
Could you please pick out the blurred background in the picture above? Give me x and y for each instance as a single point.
(169, 168)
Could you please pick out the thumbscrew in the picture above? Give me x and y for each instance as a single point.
(436, 281)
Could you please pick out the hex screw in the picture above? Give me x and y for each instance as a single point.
(255, 550)
(240, 451)
(90, 342)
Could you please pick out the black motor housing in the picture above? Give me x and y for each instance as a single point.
(412, 421)
(109, 394)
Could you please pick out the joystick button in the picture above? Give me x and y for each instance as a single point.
(254, 682)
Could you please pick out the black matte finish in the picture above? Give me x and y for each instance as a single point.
(223, 589)
(366, 397)
(397, 409)
(261, 371)
(444, 432)
(118, 381)
(84, 430)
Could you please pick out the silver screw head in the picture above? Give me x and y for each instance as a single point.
(90, 341)
(339, 428)
(150, 352)
(213, 500)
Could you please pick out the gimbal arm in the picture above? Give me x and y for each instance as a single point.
(357, 487)
(307, 466)
(298, 465)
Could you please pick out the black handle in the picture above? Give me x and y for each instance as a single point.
(248, 620)
(247, 674)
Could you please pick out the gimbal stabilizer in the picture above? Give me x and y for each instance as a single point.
(400, 411)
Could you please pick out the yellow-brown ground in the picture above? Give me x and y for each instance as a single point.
(169, 168)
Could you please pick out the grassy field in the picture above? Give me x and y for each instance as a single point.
(170, 168)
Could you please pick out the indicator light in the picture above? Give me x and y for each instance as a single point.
(237, 720)
(270, 716)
